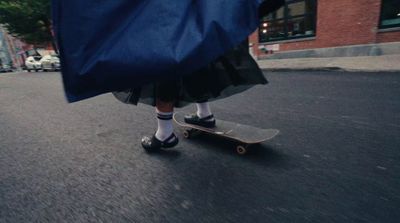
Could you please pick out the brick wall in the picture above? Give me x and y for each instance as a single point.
(388, 37)
(341, 23)
(344, 22)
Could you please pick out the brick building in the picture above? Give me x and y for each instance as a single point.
(318, 24)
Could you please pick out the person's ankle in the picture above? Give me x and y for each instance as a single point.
(203, 110)
(203, 115)
(162, 136)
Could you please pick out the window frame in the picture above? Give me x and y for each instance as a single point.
(381, 20)
(286, 18)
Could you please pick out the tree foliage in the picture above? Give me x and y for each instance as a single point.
(29, 20)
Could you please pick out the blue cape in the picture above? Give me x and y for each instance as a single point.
(113, 45)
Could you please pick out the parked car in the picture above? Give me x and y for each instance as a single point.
(50, 63)
(5, 68)
(33, 63)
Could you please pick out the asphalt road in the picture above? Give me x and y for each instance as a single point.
(335, 160)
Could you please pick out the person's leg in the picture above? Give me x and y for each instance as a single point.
(203, 116)
(164, 136)
(203, 109)
(164, 112)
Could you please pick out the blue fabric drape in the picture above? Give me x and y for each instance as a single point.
(111, 45)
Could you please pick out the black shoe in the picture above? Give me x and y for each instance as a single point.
(153, 144)
(207, 122)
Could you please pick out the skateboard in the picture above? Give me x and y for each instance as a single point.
(243, 135)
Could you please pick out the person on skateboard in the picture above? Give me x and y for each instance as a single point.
(232, 73)
(163, 53)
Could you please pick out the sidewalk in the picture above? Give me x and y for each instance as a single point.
(386, 63)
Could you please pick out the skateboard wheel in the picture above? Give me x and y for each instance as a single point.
(241, 150)
(186, 134)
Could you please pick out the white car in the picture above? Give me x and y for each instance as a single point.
(50, 63)
(33, 63)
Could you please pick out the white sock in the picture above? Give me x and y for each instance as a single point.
(203, 109)
(165, 126)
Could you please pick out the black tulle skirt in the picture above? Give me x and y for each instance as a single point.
(232, 73)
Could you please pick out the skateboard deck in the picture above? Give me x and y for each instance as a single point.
(245, 135)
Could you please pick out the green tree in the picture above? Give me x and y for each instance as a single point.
(29, 20)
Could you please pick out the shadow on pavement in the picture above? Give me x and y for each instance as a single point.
(168, 154)
(260, 154)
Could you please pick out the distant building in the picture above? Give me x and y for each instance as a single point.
(317, 24)
(12, 50)
(5, 57)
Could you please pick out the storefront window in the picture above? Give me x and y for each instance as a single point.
(296, 19)
(390, 15)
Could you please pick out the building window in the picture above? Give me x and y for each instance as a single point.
(390, 15)
(297, 19)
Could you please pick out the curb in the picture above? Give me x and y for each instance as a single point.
(303, 69)
(327, 69)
